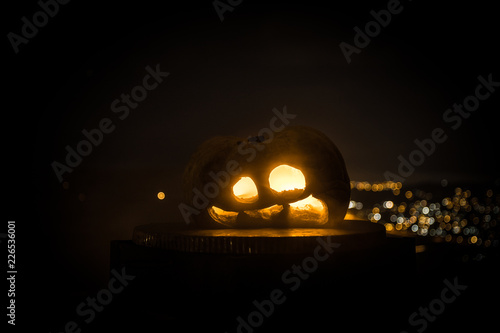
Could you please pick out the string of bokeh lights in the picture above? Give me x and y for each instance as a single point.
(462, 217)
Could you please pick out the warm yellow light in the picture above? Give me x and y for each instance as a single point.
(309, 209)
(286, 178)
(161, 195)
(245, 190)
(388, 204)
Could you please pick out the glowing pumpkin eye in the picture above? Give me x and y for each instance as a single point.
(245, 190)
(286, 178)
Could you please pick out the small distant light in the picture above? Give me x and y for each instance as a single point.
(377, 217)
(444, 182)
(352, 204)
(408, 194)
(388, 204)
(161, 195)
(359, 205)
(425, 210)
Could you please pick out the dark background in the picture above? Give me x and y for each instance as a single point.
(225, 78)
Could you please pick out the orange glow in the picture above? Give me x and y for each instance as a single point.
(265, 213)
(161, 195)
(222, 216)
(309, 209)
(245, 190)
(351, 216)
(286, 178)
(420, 248)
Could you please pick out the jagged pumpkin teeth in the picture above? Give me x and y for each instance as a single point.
(309, 209)
(265, 213)
(222, 216)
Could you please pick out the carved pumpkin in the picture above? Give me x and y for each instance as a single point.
(297, 178)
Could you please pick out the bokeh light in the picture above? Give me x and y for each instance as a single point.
(455, 215)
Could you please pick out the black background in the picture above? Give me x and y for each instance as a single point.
(225, 78)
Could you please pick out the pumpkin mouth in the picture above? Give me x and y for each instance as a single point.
(307, 212)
